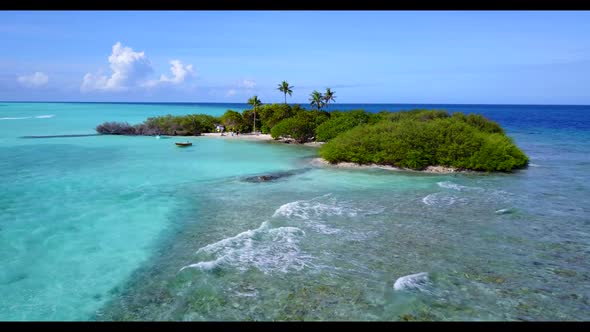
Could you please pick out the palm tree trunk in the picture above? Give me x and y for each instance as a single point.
(285, 98)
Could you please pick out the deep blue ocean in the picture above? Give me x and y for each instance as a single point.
(134, 228)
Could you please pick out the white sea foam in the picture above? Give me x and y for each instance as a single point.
(322, 228)
(319, 207)
(451, 185)
(46, 116)
(21, 118)
(534, 165)
(439, 199)
(205, 265)
(267, 249)
(412, 281)
(313, 210)
(212, 248)
(251, 293)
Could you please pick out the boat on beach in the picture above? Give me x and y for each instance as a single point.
(183, 144)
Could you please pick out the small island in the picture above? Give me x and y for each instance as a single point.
(422, 140)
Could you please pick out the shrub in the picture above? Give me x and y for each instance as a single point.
(300, 127)
(115, 128)
(340, 122)
(272, 114)
(232, 120)
(480, 122)
(192, 124)
(415, 114)
(410, 141)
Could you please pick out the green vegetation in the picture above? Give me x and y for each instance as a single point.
(340, 122)
(329, 96)
(412, 139)
(316, 99)
(300, 127)
(420, 138)
(271, 114)
(233, 121)
(185, 125)
(285, 88)
(255, 102)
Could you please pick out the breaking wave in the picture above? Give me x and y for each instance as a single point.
(314, 213)
(323, 206)
(413, 281)
(314, 209)
(267, 249)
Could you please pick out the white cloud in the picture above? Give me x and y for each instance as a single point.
(128, 68)
(230, 93)
(34, 80)
(247, 84)
(180, 73)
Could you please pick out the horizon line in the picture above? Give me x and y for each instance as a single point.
(215, 102)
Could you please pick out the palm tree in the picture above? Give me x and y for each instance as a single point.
(329, 96)
(285, 88)
(317, 99)
(255, 102)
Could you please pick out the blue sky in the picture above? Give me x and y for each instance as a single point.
(495, 57)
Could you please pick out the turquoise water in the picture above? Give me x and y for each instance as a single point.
(100, 227)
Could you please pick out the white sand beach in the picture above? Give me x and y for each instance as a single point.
(259, 137)
(249, 136)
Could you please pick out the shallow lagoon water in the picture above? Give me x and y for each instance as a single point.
(101, 227)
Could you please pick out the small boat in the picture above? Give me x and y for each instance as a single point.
(182, 144)
(158, 137)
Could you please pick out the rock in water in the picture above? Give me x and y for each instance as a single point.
(274, 176)
(412, 281)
